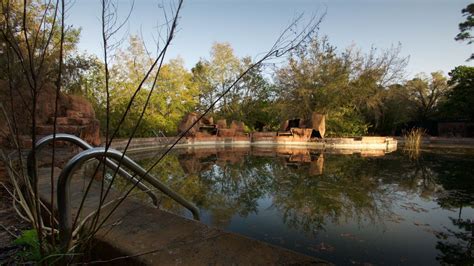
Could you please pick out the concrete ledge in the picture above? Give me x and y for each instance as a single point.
(166, 239)
(265, 138)
(149, 236)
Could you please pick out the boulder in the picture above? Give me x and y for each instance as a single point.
(208, 121)
(221, 123)
(205, 125)
(318, 123)
(239, 126)
(301, 134)
(81, 106)
(187, 122)
(226, 132)
(284, 126)
(91, 132)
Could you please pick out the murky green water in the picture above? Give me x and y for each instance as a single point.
(345, 208)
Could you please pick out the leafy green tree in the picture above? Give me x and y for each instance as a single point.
(426, 93)
(466, 26)
(41, 46)
(224, 67)
(344, 86)
(253, 100)
(393, 109)
(82, 75)
(312, 80)
(175, 93)
(460, 99)
(201, 79)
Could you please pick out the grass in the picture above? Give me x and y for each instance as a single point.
(413, 141)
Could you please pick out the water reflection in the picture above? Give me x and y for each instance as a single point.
(347, 208)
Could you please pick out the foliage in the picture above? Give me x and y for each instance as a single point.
(252, 99)
(459, 102)
(466, 26)
(31, 252)
(224, 68)
(426, 94)
(345, 86)
(29, 239)
(83, 76)
(346, 122)
(201, 79)
(392, 109)
(215, 75)
(43, 33)
(174, 95)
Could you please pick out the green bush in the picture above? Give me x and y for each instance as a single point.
(345, 122)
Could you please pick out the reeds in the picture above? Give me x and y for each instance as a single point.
(413, 141)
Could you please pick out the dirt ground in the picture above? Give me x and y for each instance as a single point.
(10, 226)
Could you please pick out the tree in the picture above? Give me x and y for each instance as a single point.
(31, 48)
(175, 93)
(460, 99)
(394, 109)
(466, 26)
(314, 79)
(82, 75)
(201, 79)
(224, 68)
(345, 86)
(254, 101)
(426, 93)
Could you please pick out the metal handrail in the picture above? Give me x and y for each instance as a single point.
(63, 196)
(86, 146)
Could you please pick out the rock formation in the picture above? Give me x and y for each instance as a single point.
(317, 122)
(75, 115)
(205, 125)
(186, 122)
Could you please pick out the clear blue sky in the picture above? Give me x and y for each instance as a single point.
(425, 28)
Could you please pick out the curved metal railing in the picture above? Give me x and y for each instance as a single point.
(63, 189)
(86, 146)
(63, 196)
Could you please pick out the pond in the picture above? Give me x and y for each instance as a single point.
(367, 208)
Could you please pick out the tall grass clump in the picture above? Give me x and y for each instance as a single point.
(413, 139)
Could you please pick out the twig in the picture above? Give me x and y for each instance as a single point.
(8, 231)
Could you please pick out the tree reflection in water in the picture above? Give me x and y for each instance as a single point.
(310, 189)
(456, 244)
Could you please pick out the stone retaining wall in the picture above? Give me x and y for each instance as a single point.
(266, 138)
(138, 143)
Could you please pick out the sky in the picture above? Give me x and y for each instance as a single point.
(424, 28)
